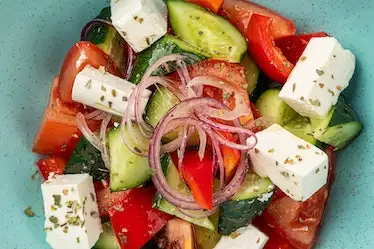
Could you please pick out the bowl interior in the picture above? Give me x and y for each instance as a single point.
(37, 34)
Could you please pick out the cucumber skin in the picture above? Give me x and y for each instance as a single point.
(237, 214)
(302, 128)
(246, 204)
(269, 104)
(340, 127)
(127, 170)
(209, 29)
(107, 239)
(252, 73)
(165, 46)
(81, 158)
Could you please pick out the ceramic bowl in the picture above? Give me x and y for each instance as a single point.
(35, 36)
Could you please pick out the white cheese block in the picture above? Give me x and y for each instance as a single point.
(244, 238)
(71, 210)
(321, 74)
(104, 91)
(297, 167)
(140, 22)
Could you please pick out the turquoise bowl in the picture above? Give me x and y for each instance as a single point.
(35, 36)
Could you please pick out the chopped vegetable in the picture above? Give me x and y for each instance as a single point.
(212, 5)
(51, 165)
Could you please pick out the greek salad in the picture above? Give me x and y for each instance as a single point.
(194, 124)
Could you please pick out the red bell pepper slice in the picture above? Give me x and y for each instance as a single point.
(49, 165)
(212, 5)
(198, 176)
(266, 54)
(293, 46)
(135, 221)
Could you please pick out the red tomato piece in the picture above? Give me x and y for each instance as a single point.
(50, 165)
(239, 13)
(107, 199)
(264, 51)
(212, 5)
(330, 151)
(136, 222)
(56, 103)
(199, 177)
(255, 111)
(80, 55)
(57, 135)
(276, 241)
(293, 46)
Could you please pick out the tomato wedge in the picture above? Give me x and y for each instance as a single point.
(264, 51)
(107, 199)
(56, 103)
(57, 135)
(49, 165)
(80, 55)
(198, 175)
(239, 13)
(293, 46)
(135, 221)
(212, 5)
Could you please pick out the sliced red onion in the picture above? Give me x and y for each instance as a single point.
(241, 105)
(87, 133)
(202, 144)
(130, 60)
(104, 148)
(183, 146)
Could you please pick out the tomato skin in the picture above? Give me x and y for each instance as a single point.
(55, 165)
(239, 13)
(293, 46)
(80, 55)
(136, 222)
(106, 199)
(212, 5)
(264, 51)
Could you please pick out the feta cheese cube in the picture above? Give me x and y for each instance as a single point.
(140, 22)
(245, 238)
(321, 74)
(104, 91)
(71, 210)
(297, 167)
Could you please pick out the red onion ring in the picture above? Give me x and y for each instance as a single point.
(87, 133)
(104, 148)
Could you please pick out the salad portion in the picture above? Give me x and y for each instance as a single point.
(197, 124)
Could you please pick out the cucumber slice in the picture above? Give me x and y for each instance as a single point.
(217, 37)
(108, 239)
(249, 202)
(175, 182)
(270, 105)
(205, 238)
(252, 72)
(340, 127)
(301, 127)
(160, 103)
(87, 159)
(127, 170)
(165, 46)
(108, 39)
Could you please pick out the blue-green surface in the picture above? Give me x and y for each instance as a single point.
(34, 37)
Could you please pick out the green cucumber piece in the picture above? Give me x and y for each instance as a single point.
(127, 170)
(87, 159)
(160, 103)
(251, 71)
(217, 37)
(107, 239)
(175, 182)
(165, 46)
(270, 105)
(108, 39)
(249, 202)
(205, 238)
(340, 127)
(301, 127)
